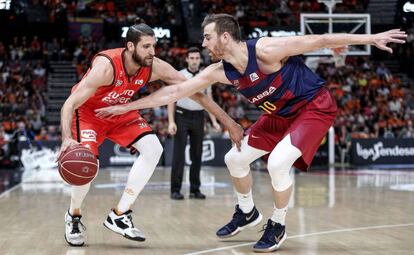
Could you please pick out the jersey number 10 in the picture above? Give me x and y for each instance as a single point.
(268, 107)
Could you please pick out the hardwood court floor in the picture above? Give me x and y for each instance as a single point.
(351, 212)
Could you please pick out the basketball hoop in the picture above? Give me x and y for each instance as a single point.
(339, 56)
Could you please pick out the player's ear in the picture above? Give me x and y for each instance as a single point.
(130, 46)
(226, 37)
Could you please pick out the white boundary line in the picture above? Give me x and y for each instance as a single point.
(307, 235)
(9, 190)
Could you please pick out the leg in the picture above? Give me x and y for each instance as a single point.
(196, 151)
(178, 161)
(78, 194)
(280, 162)
(90, 132)
(238, 163)
(120, 219)
(246, 214)
(150, 150)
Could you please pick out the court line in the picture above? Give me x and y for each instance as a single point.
(307, 235)
(9, 190)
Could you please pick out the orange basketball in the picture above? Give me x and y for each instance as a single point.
(78, 165)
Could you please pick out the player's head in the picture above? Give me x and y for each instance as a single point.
(140, 42)
(193, 59)
(219, 30)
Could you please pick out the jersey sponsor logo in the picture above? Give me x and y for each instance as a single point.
(88, 135)
(139, 82)
(265, 93)
(118, 98)
(254, 77)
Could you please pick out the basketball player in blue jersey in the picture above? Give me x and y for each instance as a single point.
(297, 110)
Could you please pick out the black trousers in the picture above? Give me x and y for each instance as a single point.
(189, 123)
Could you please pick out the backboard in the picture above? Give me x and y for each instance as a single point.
(316, 23)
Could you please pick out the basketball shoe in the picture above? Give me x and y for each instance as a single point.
(273, 237)
(122, 224)
(239, 222)
(75, 230)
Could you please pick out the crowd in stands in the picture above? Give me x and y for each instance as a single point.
(372, 101)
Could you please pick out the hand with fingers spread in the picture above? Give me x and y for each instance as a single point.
(391, 36)
(66, 143)
(110, 111)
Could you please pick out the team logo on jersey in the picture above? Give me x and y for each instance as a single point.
(139, 82)
(254, 77)
(118, 83)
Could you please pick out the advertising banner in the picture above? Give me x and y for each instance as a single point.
(382, 151)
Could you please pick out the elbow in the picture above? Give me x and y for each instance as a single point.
(67, 107)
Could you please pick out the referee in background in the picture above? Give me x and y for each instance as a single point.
(187, 119)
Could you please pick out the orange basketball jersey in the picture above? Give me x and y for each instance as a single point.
(123, 86)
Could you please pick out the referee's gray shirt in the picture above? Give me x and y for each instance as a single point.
(186, 102)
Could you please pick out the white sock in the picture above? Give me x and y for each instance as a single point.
(245, 201)
(150, 150)
(279, 215)
(78, 194)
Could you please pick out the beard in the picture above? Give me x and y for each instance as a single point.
(147, 61)
(218, 51)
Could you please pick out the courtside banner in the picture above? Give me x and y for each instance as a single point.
(214, 150)
(382, 151)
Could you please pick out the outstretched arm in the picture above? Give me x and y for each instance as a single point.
(172, 93)
(279, 48)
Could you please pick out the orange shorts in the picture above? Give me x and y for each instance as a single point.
(124, 129)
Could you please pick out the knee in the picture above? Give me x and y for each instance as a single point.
(151, 151)
(237, 166)
(279, 172)
(155, 152)
(229, 159)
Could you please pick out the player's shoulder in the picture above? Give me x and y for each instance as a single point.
(263, 46)
(101, 61)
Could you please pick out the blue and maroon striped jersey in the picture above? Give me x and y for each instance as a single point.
(280, 93)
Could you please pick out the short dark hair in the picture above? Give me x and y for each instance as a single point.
(224, 23)
(138, 30)
(193, 50)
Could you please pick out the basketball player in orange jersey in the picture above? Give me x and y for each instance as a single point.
(114, 77)
(297, 110)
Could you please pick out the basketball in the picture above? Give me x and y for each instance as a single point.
(78, 165)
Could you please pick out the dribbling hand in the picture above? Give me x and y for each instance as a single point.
(66, 143)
